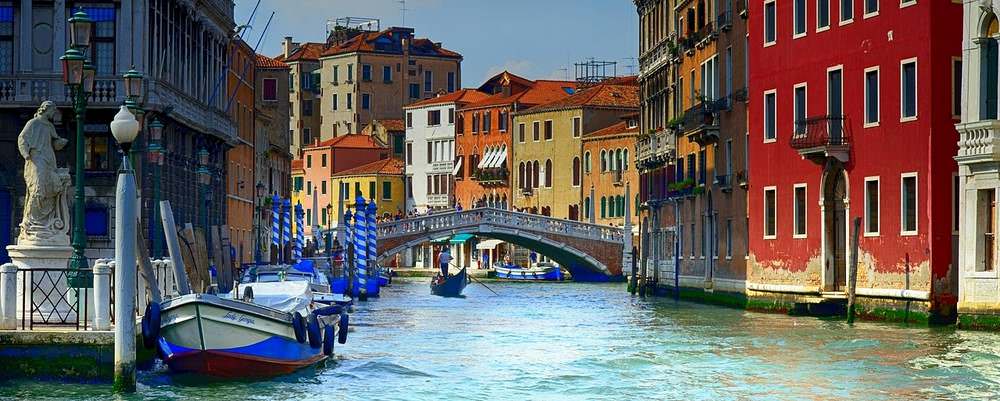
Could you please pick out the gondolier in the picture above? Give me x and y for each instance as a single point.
(444, 258)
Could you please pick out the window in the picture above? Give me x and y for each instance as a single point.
(309, 161)
(770, 35)
(350, 101)
(835, 103)
(306, 135)
(371, 190)
(694, 231)
(576, 171)
(548, 173)
(291, 83)
(799, 119)
(350, 72)
(307, 107)
(822, 15)
(548, 130)
(729, 161)
(475, 123)
(691, 168)
(409, 154)
(386, 74)
(309, 187)
(433, 118)
(729, 70)
(451, 82)
(366, 72)
(702, 167)
(586, 162)
(988, 71)
(428, 81)
(357, 189)
(872, 206)
(487, 122)
(322, 187)
(270, 90)
(871, 8)
(770, 205)
(908, 200)
(502, 121)
(770, 113)
(729, 238)
(872, 106)
(908, 90)
(322, 160)
(535, 130)
(366, 101)
(336, 74)
(577, 128)
(536, 176)
(986, 227)
(430, 152)
(520, 133)
(904, 3)
(386, 190)
(604, 161)
(96, 152)
(102, 46)
(6, 39)
(956, 88)
(800, 18)
(846, 11)
(800, 211)
(604, 207)
(414, 91)
(334, 101)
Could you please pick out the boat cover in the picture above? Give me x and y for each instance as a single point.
(287, 296)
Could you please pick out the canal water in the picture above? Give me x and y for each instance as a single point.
(568, 341)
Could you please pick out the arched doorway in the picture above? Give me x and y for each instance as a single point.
(835, 229)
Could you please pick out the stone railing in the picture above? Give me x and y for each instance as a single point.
(442, 167)
(437, 200)
(499, 218)
(32, 89)
(657, 146)
(979, 140)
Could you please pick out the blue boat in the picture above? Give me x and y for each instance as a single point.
(451, 286)
(542, 271)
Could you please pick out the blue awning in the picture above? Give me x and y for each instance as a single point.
(460, 238)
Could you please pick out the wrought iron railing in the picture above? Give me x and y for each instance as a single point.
(821, 131)
(725, 20)
(45, 300)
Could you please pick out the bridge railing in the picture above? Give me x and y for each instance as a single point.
(501, 218)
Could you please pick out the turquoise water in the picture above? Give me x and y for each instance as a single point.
(567, 341)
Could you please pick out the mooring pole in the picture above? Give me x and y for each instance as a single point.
(125, 280)
(852, 277)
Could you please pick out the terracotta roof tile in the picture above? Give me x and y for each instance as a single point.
(385, 166)
(348, 141)
(297, 164)
(269, 63)
(463, 96)
(367, 42)
(618, 128)
(540, 92)
(309, 51)
(603, 95)
(393, 125)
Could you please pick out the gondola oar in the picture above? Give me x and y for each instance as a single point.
(477, 281)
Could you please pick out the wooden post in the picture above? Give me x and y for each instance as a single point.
(188, 256)
(174, 248)
(227, 273)
(145, 267)
(852, 276)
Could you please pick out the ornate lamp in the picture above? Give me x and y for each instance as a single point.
(124, 128)
(133, 85)
(89, 74)
(155, 135)
(72, 61)
(79, 30)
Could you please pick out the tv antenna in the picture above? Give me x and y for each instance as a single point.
(402, 12)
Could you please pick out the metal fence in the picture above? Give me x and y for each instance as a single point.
(45, 299)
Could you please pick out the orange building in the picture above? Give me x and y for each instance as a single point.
(483, 136)
(320, 162)
(607, 180)
(240, 158)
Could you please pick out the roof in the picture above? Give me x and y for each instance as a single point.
(598, 96)
(538, 92)
(269, 63)
(393, 124)
(618, 128)
(463, 96)
(356, 141)
(297, 164)
(309, 51)
(389, 41)
(388, 166)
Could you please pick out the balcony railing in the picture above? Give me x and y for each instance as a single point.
(724, 182)
(743, 9)
(725, 21)
(617, 177)
(979, 141)
(821, 137)
(655, 148)
(491, 176)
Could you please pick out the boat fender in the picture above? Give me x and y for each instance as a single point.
(299, 326)
(151, 325)
(248, 294)
(312, 327)
(342, 335)
(328, 340)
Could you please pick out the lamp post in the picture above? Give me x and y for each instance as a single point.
(125, 128)
(79, 77)
(156, 163)
(258, 255)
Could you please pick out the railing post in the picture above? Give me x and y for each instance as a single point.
(8, 297)
(102, 296)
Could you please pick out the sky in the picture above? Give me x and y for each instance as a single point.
(537, 39)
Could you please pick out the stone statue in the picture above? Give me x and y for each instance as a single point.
(46, 202)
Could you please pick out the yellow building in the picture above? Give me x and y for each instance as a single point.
(547, 146)
(381, 180)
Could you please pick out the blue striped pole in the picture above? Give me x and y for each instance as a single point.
(361, 244)
(276, 225)
(286, 230)
(372, 231)
(349, 272)
(300, 234)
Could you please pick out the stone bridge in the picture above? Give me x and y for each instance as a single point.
(590, 252)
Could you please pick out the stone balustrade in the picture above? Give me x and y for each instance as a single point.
(979, 141)
(500, 218)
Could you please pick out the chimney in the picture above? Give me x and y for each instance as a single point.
(286, 46)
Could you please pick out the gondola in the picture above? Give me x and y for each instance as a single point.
(452, 286)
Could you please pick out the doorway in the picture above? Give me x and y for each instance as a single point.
(835, 223)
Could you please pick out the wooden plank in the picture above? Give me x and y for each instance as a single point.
(174, 248)
(228, 271)
(216, 252)
(201, 257)
(188, 250)
(145, 266)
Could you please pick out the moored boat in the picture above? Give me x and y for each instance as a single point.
(450, 286)
(541, 271)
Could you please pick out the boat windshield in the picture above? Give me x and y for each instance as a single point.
(273, 277)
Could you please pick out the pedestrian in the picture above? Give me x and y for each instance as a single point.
(533, 257)
(458, 206)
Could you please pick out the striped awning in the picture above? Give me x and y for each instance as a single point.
(458, 166)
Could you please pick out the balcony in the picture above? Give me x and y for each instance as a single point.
(491, 177)
(821, 138)
(979, 142)
(725, 21)
(743, 9)
(29, 90)
(724, 182)
(617, 178)
(655, 148)
(684, 190)
(442, 167)
(701, 122)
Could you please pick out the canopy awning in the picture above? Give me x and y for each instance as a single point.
(499, 160)
(460, 238)
(486, 158)
(458, 166)
(488, 244)
(442, 240)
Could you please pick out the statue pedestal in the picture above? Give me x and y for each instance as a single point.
(45, 266)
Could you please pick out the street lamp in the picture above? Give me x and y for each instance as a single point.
(258, 254)
(80, 79)
(125, 128)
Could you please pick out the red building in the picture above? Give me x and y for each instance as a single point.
(851, 116)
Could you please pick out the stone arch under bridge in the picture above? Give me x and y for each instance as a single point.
(590, 252)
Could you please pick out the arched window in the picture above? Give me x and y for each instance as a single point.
(621, 206)
(635, 212)
(520, 175)
(586, 162)
(988, 80)
(618, 160)
(537, 177)
(604, 161)
(625, 159)
(604, 207)
(576, 171)
(586, 207)
(548, 173)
